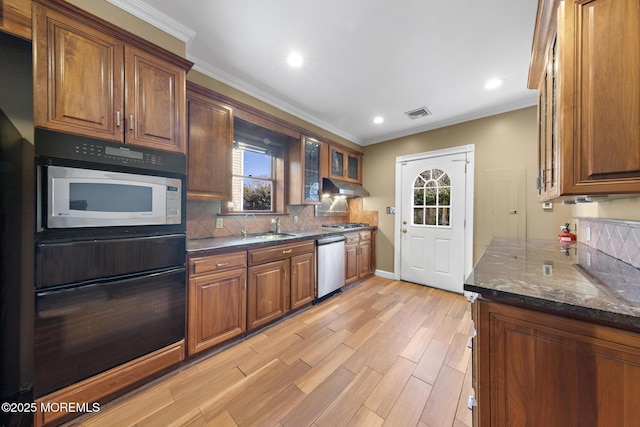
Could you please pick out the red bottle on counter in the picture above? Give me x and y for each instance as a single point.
(566, 236)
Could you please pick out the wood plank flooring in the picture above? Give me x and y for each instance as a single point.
(382, 353)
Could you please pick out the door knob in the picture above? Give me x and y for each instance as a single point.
(404, 222)
(404, 230)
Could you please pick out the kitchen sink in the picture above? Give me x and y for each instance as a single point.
(272, 236)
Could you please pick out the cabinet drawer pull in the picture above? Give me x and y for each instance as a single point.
(288, 251)
(222, 264)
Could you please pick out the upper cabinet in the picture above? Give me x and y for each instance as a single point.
(586, 66)
(15, 17)
(93, 79)
(210, 144)
(345, 165)
(307, 163)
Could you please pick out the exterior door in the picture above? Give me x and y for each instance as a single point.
(432, 220)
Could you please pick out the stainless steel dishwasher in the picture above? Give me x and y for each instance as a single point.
(330, 265)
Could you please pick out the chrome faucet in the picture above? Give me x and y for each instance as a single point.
(276, 221)
(244, 225)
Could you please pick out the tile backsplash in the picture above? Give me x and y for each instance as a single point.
(617, 238)
(201, 219)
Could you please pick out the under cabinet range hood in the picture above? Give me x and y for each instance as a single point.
(343, 188)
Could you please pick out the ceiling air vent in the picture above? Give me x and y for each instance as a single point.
(420, 112)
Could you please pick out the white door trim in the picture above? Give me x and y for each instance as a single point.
(468, 231)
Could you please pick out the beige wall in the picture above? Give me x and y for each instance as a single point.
(501, 141)
(624, 208)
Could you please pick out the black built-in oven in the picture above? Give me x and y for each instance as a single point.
(109, 256)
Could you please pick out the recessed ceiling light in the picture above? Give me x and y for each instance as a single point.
(377, 120)
(493, 83)
(295, 59)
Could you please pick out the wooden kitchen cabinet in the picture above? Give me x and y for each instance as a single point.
(540, 369)
(281, 278)
(307, 162)
(94, 79)
(217, 299)
(210, 145)
(302, 280)
(266, 294)
(351, 249)
(359, 255)
(15, 18)
(345, 165)
(364, 256)
(588, 54)
(547, 184)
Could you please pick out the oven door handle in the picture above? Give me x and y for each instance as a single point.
(112, 279)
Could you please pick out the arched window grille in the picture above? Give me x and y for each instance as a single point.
(432, 198)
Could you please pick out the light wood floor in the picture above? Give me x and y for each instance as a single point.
(381, 353)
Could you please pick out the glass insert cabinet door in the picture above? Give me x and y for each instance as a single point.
(353, 166)
(345, 165)
(337, 163)
(311, 170)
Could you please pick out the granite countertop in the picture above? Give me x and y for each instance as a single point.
(579, 281)
(198, 246)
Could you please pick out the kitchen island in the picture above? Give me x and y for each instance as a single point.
(557, 336)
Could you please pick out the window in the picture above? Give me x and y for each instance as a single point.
(257, 169)
(432, 198)
(253, 178)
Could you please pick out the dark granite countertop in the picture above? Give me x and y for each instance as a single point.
(201, 246)
(580, 281)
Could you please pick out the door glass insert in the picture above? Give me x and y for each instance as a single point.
(432, 198)
(352, 167)
(337, 163)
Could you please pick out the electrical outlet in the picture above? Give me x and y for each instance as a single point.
(295, 219)
(219, 223)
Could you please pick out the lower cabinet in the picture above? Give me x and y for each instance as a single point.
(266, 298)
(540, 369)
(281, 278)
(217, 300)
(359, 255)
(302, 280)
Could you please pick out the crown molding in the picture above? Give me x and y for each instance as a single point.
(157, 19)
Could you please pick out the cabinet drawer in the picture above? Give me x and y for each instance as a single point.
(208, 264)
(365, 235)
(352, 237)
(276, 252)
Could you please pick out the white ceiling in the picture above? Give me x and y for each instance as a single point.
(363, 58)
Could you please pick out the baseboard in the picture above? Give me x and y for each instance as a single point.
(385, 274)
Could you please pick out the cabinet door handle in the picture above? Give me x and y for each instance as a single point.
(287, 251)
(130, 121)
(118, 118)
